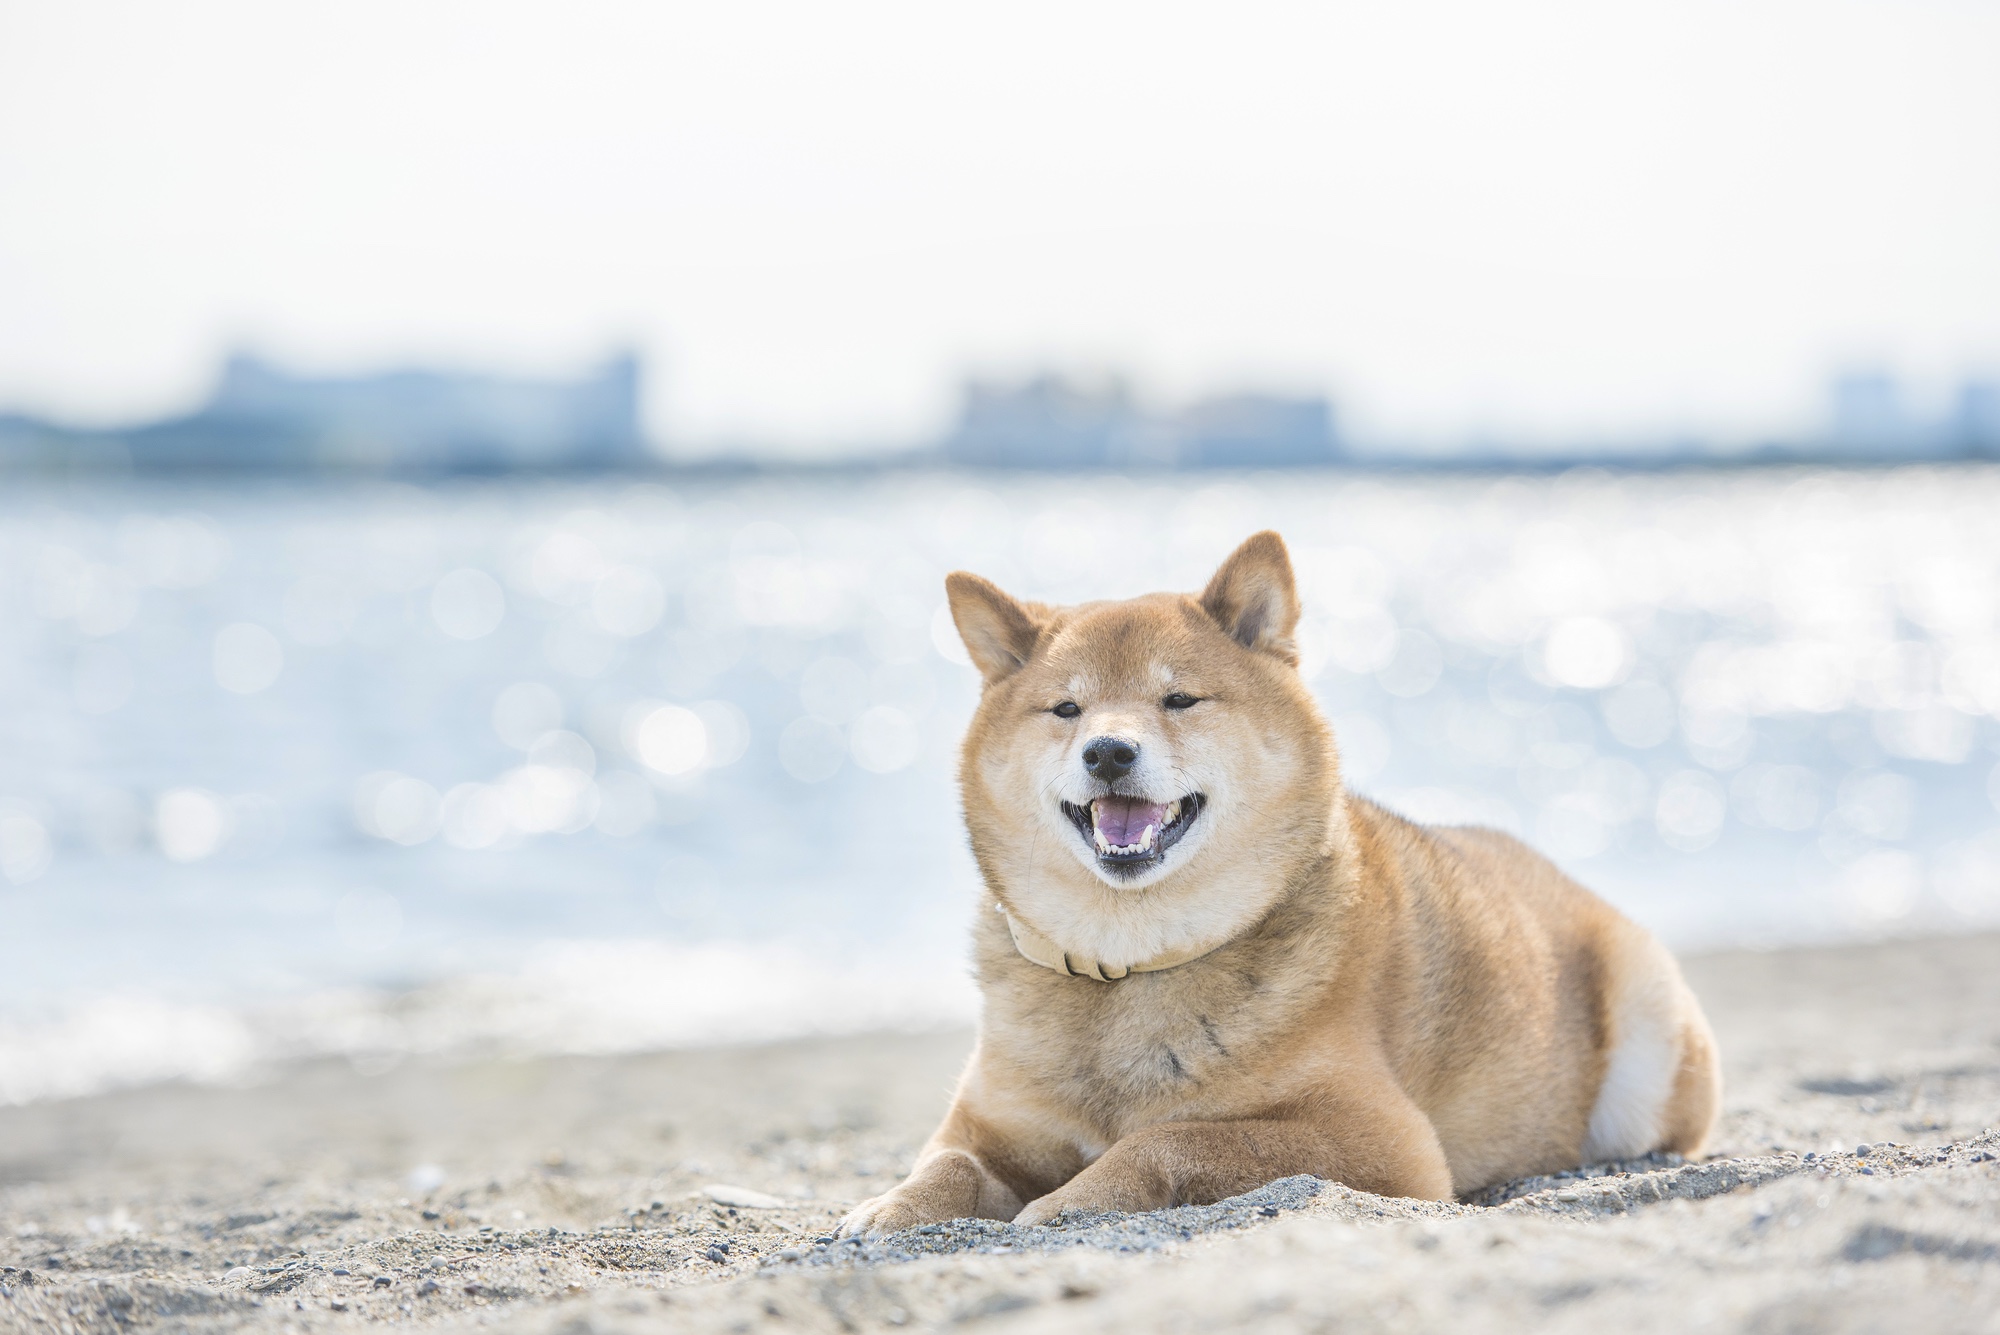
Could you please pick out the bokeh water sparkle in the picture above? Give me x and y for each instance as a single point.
(590, 763)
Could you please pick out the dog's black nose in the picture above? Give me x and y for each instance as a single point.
(1108, 758)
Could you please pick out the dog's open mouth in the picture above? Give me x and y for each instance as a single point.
(1129, 832)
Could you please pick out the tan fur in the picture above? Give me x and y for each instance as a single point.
(1412, 1011)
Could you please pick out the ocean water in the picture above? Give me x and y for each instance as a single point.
(324, 767)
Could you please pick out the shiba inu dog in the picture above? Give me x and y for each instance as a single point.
(1208, 965)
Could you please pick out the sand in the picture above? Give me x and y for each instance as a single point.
(690, 1191)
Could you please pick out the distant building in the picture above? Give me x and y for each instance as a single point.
(260, 416)
(429, 421)
(1047, 422)
(1257, 431)
(1868, 419)
(1872, 419)
(1975, 425)
(1054, 422)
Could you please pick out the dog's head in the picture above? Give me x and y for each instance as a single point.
(1166, 740)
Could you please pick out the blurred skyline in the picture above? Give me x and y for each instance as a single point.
(428, 421)
(1541, 224)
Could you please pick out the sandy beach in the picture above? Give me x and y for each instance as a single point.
(1854, 1185)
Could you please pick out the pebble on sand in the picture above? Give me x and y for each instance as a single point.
(744, 1198)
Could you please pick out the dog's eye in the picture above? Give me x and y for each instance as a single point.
(1067, 709)
(1178, 700)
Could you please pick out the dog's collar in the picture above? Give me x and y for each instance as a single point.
(1039, 949)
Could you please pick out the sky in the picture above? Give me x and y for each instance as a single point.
(1534, 220)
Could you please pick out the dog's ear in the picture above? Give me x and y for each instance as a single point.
(998, 631)
(1253, 597)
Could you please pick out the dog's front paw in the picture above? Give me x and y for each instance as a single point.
(891, 1212)
(1042, 1210)
(1092, 1192)
(857, 1222)
(1047, 1209)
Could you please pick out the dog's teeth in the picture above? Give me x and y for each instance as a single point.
(1173, 811)
(1146, 837)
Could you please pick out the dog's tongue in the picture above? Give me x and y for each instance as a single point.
(1122, 820)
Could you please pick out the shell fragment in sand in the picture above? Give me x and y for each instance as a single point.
(743, 1198)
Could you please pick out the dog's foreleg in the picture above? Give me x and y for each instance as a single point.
(1197, 1163)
